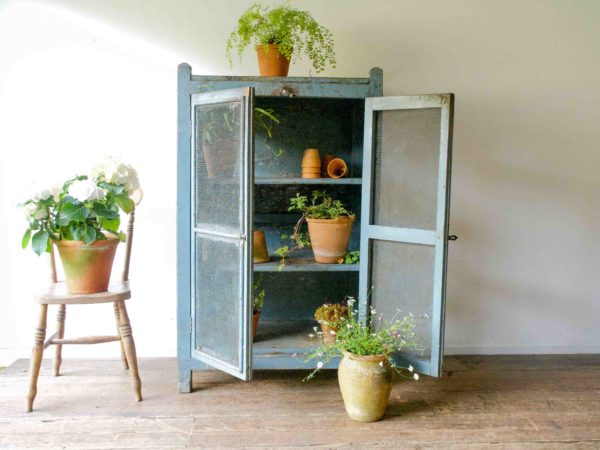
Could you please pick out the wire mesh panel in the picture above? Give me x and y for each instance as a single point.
(406, 196)
(217, 292)
(222, 143)
(218, 163)
(406, 168)
(404, 273)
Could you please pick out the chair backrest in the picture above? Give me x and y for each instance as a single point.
(137, 198)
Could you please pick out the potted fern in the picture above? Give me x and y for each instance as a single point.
(280, 35)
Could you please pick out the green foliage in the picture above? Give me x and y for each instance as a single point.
(375, 337)
(321, 206)
(258, 300)
(295, 33)
(352, 257)
(60, 215)
(331, 314)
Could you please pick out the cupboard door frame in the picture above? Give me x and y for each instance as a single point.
(437, 238)
(245, 96)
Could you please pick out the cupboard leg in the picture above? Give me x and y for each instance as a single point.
(60, 328)
(36, 356)
(129, 346)
(123, 357)
(185, 381)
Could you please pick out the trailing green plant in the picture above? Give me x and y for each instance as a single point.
(352, 257)
(295, 32)
(374, 337)
(222, 122)
(258, 297)
(331, 314)
(320, 206)
(85, 208)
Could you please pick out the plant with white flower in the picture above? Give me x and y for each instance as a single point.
(86, 208)
(372, 336)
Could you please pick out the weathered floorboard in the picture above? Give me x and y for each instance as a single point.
(508, 402)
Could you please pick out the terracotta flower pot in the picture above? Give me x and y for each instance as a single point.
(219, 160)
(329, 238)
(337, 168)
(260, 253)
(324, 162)
(255, 319)
(366, 385)
(311, 163)
(87, 267)
(271, 63)
(327, 336)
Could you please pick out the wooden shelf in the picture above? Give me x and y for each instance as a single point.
(303, 265)
(312, 181)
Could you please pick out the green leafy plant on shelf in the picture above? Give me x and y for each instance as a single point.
(374, 337)
(293, 31)
(352, 257)
(320, 206)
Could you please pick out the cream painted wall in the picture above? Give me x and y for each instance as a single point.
(79, 79)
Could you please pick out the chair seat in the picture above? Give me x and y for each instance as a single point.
(57, 294)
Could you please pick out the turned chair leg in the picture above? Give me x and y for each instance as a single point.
(60, 328)
(123, 357)
(129, 346)
(36, 356)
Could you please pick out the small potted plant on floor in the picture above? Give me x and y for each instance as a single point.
(280, 35)
(329, 227)
(82, 218)
(329, 317)
(258, 301)
(366, 368)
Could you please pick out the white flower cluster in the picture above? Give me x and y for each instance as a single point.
(112, 170)
(85, 190)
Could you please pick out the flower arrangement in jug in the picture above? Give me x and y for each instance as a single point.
(84, 210)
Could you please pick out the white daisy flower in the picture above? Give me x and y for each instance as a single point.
(311, 335)
(411, 368)
(416, 376)
(319, 365)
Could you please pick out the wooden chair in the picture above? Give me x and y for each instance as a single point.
(57, 294)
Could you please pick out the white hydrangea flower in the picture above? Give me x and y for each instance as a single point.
(85, 190)
(30, 212)
(115, 171)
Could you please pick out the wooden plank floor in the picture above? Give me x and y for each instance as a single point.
(533, 402)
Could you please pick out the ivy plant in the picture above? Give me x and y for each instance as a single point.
(295, 32)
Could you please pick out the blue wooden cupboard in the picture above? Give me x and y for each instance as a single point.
(235, 176)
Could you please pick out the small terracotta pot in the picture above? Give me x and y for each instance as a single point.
(260, 253)
(87, 267)
(329, 238)
(327, 336)
(324, 162)
(271, 63)
(366, 384)
(311, 164)
(337, 168)
(255, 319)
(219, 163)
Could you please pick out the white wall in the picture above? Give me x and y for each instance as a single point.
(79, 79)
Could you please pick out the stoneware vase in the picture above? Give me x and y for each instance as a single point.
(329, 238)
(366, 384)
(259, 247)
(271, 63)
(87, 267)
(311, 163)
(255, 319)
(337, 168)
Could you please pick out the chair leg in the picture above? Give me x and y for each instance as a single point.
(123, 357)
(36, 356)
(129, 346)
(60, 328)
